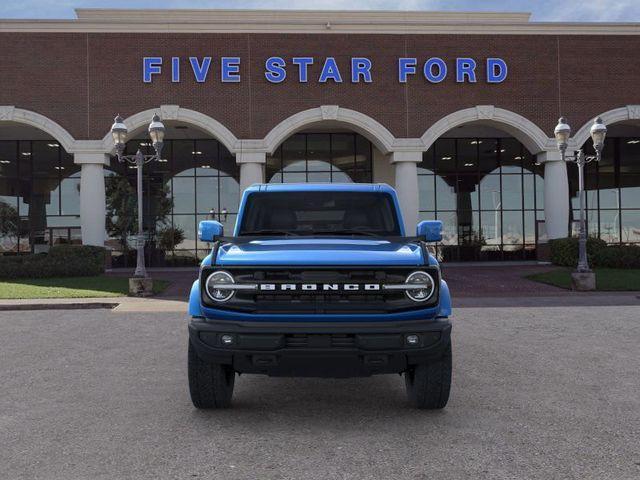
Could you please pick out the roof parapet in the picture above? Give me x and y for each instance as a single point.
(298, 16)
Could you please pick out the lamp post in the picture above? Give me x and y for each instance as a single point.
(119, 133)
(562, 133)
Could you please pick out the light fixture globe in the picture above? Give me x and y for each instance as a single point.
(119, 133)
(562, 133)
(598, 133)
(156, 129)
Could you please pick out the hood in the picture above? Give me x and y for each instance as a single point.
(320, 251)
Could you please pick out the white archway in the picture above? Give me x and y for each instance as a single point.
(527, 132)
(373, 130)
(177, 113)
(10, 113)
(629, 112)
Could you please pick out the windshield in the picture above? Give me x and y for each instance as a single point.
(319, 213)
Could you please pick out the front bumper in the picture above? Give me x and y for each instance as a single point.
(319, 349)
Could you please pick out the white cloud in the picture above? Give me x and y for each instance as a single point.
(600, 11)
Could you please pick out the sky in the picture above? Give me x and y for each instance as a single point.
(542, 10)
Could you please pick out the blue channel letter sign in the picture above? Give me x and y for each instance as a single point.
(326, 70)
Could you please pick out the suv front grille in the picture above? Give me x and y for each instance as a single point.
(321, 301)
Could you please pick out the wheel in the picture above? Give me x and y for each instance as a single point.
(428, 384)
(210, 384)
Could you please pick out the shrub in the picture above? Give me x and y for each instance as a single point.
(61, 261)
(564, 251)
(618, 256)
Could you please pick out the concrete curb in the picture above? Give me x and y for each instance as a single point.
(57, 306)
(115, 304)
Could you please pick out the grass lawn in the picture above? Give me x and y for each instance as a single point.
(607, 279)
(72, 287)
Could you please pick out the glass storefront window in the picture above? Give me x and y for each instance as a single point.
(529, 227)
(630, 225)
(321, 158)
(488, 193)
(319, 152)
(513, 233)
(512, 192)
(630, 192)
(8, 159)
(610, 225)
(426, 187)
(529, 191)
(487, 158)
(445, 155)
(39, 195)
(612, 190)
(511, 155)
(201, 181)
(445, 195)
(293, 154)
(70, 195)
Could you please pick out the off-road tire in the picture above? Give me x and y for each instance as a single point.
(428, 384)
(210, 384)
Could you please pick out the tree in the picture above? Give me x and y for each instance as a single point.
(169, 237)
(122, 209)
(9, 221)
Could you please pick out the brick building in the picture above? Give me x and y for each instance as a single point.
(456, 110)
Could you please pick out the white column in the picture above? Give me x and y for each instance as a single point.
(251, 168)
(406, 166)
(556, 194)
(92, 197)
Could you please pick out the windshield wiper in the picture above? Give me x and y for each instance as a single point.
(347, 232)
(269, 232)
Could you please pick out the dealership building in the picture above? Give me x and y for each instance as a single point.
(455, 110)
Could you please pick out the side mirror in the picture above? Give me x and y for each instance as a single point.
(210, 230)
(430, 230)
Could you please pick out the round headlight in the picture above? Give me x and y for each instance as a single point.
(215, 286)
(425, 283)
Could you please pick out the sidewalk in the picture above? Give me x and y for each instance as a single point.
(117, 304)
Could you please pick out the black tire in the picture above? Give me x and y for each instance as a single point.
(210, 384)
(428, 384)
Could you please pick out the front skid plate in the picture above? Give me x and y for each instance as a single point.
(321, 349)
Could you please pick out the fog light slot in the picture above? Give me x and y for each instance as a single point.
(412, 340)
(227, 339)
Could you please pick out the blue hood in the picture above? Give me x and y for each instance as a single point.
(320, 251)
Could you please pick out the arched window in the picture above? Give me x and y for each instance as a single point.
(321, 158)
(201, 180)
(612, 188)
(39, 195)
(489, 194)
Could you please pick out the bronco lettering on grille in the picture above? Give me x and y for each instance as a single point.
(314, 287)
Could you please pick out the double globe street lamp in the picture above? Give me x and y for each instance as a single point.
(119, 133)
(583, 278)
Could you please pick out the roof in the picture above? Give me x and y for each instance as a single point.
(321, 187)
(311, 21)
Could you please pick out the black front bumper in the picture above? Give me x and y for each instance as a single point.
(319, 349)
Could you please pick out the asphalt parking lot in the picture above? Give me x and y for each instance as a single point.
(538, 393)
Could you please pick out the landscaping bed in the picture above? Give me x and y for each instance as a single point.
(607, 279)
(71, 287)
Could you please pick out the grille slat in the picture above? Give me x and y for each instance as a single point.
(320, 341)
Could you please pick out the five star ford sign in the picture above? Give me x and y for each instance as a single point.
(305, 69)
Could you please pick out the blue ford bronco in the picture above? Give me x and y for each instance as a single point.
(319, 280)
